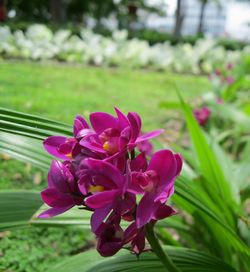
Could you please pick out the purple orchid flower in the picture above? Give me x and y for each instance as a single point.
(136, 237)
(115, 134)
(202, 115)
(66, 148)
(229, 80)
(109, 135)
(157, 185)
(111, 237)
(62, 192)
(146, 147)
(102, 173)
(108, 189)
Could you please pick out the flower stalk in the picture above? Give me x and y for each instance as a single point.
(156, 247)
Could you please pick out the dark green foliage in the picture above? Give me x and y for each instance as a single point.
(37, 249)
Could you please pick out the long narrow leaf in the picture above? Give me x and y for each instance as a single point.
(185, 259)
(17, 208)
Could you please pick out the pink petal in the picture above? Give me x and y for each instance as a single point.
(139, 163)
(164, 163)
(53, 212)
(106, 169)
(99, 216)
(124, 138)
(135, 123)
(130, 233)
(145, 210)
(93, 146)
(51, 144)
(122, 119)
(55, 199)
(83, 184)
(60, 177)
(166, 193)
(79, 124)
(179, 163)
(163, 211)
(102, 199)
(149, 135)
(101, 121)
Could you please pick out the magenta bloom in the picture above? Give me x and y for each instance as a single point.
(219, 101)
(115, 134)
(109, 135)
(230, 80)
(217, 72)
(157, 185)
(109, 190)
(229, 66)
(62, 192)
(66, 148)
(105, 167)
(202, 115)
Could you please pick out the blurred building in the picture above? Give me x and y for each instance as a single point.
(224, 18)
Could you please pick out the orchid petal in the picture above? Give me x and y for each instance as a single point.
(51, 144)
(93, 146)
(55, 199)
(139, 163)
(101, 199)
(79, 124)
(179, 162)
(149, 135)
(135, 123)
(101, 121)
(60, 177)
(99, 216)
(54, 211)
(122, 118)
(99, 167)
(164, 164)
(163, 211)
(145, 210)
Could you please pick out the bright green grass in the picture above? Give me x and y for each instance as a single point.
(60, 92)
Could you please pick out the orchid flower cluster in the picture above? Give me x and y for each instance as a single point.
(104, 169)
(202, 115)
(220, 79)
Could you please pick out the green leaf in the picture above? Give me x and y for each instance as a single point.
(216, 184)
(170, 105)
(17, 208)
(229, 112)
(73, 217)
(185, 259)
(31, 125)
(25, 149)
(194, 200)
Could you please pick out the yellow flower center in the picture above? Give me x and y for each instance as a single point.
(106, 146)
(69, 155)
(97, 188)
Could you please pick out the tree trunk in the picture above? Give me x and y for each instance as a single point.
(57, 10)
(200, 28)
(3, 12)
(179, 17)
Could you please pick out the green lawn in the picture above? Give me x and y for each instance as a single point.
(60, 92)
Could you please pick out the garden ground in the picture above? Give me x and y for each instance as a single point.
(60, 92)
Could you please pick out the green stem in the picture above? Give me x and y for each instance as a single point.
(163, 256)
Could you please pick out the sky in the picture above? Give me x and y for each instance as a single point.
(237, 15)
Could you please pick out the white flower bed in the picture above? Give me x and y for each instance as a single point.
(40, 43)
